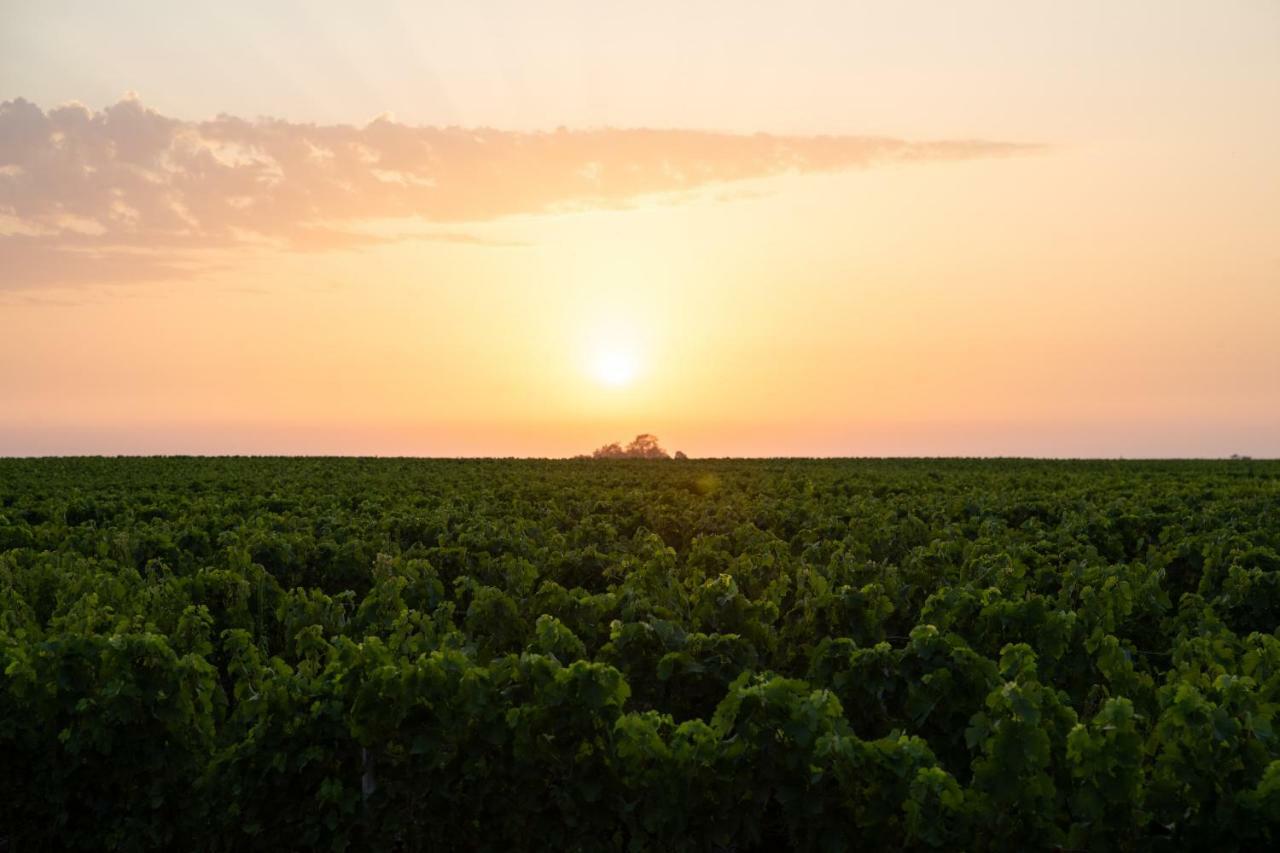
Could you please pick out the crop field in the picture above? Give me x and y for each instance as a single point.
(281, 654)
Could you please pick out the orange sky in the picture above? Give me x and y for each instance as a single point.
(516, 229)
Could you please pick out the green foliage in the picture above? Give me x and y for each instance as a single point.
(283, 654)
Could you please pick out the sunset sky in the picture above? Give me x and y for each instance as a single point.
(494, 229)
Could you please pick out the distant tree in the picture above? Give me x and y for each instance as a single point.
(643, 446)
(680, 455)
(609, 451)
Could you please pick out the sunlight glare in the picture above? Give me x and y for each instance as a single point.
(615, 366)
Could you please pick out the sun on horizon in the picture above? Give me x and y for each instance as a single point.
(615, 366)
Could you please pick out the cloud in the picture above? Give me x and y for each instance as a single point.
(94, 194)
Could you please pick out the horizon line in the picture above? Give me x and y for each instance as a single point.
(588, 458)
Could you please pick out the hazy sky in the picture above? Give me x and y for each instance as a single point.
(1014, 228)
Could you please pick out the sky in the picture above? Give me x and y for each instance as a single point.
(511, 229)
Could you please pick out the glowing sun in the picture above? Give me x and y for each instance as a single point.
(615, 366)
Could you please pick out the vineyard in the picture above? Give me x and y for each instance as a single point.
(283, 654)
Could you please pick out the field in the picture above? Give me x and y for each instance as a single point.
(277, 654)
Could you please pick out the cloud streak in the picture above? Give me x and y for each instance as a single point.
(126, 192)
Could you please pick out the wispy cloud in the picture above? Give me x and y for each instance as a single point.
(126, 193)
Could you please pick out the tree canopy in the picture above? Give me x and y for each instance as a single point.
(643, 446)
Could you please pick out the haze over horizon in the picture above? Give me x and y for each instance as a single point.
(1002, 229)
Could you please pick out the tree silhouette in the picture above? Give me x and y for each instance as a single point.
(610, 451)
(643, 446)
